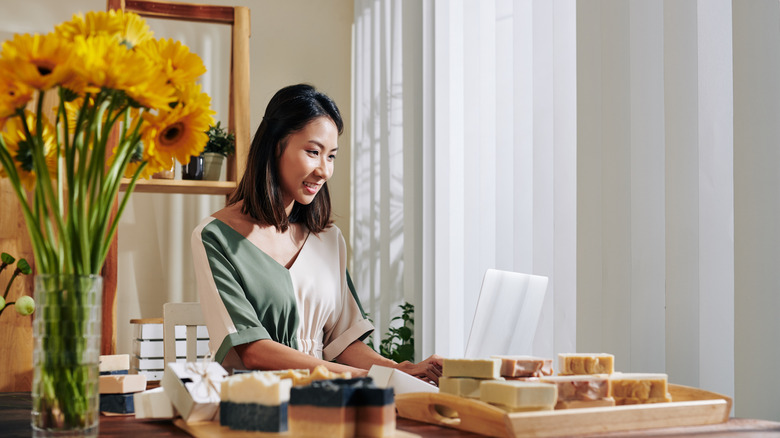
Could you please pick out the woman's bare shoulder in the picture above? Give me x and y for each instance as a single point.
(234, 218)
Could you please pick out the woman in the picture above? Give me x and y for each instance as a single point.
(271, 266)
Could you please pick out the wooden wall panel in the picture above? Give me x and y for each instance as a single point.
(16, 341)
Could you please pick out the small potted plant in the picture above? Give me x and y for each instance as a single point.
(220, 145)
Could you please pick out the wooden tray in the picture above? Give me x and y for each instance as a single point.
(690, 407)
(212, 429)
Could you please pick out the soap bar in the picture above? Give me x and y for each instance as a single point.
(323, 409)
(117, 403)
(122, 383)
(374, 411)
(476, 368)
(113, 362)
(153, 404)
(525, 366)
(255, 401)
(580, 387)
(638, 388)
(342, 408)
(585, 363)
(258, 387)
(461, 386)
(304, 377)
(517, 396)
(254, 416)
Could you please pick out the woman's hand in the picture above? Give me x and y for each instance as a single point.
(428, 370)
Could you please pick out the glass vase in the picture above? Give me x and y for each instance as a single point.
(66, 330)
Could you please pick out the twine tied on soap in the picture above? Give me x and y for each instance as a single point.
(201, 369)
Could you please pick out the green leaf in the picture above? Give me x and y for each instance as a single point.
(24, 267)
(7, 258)
(404, 333)
(405, 352)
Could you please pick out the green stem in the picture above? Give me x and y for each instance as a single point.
(17, 271)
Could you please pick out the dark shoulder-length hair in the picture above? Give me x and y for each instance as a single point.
(289, 111)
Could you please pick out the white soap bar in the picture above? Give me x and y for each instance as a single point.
(114, 362)
(122, 383)
(153, 403)
(401, 382)
(257, 387)
(514, 395)
(477, 368)
(460, 386)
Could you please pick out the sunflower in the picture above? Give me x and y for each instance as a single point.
(134, 30)
(20, 147)
(177, 134)
(106, 64)
(39, 61)
(180, 66)
(141, 155)
(94, 23)
(190, 94)
(124, 27)
(13, 93)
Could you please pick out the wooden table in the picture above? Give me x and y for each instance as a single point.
(15, 422)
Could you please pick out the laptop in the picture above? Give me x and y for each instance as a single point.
(507, 314)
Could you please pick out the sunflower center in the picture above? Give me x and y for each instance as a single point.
(172, 134)
(44, 70)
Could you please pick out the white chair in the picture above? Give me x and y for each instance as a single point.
(189, 315)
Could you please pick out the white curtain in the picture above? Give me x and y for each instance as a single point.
(464, 160)
(627, 150)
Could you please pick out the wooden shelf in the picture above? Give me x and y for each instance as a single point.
(238, 18)
(187, 187)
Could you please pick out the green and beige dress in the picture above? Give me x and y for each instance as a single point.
(248, 296)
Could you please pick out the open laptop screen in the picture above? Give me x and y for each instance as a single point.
(507, 314)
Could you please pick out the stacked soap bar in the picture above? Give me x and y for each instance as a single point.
(519, 396)
(581, 391)
(585, 363)
(255, 401)
(637, 388)
(341, 408)
(116, 386)
(463, 377)
(524, 366)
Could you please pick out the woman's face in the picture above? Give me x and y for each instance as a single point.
(307, 161)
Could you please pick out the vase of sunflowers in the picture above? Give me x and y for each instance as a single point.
(127, 106)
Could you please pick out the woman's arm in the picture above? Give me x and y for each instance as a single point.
(360, 355)
(266, 354)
